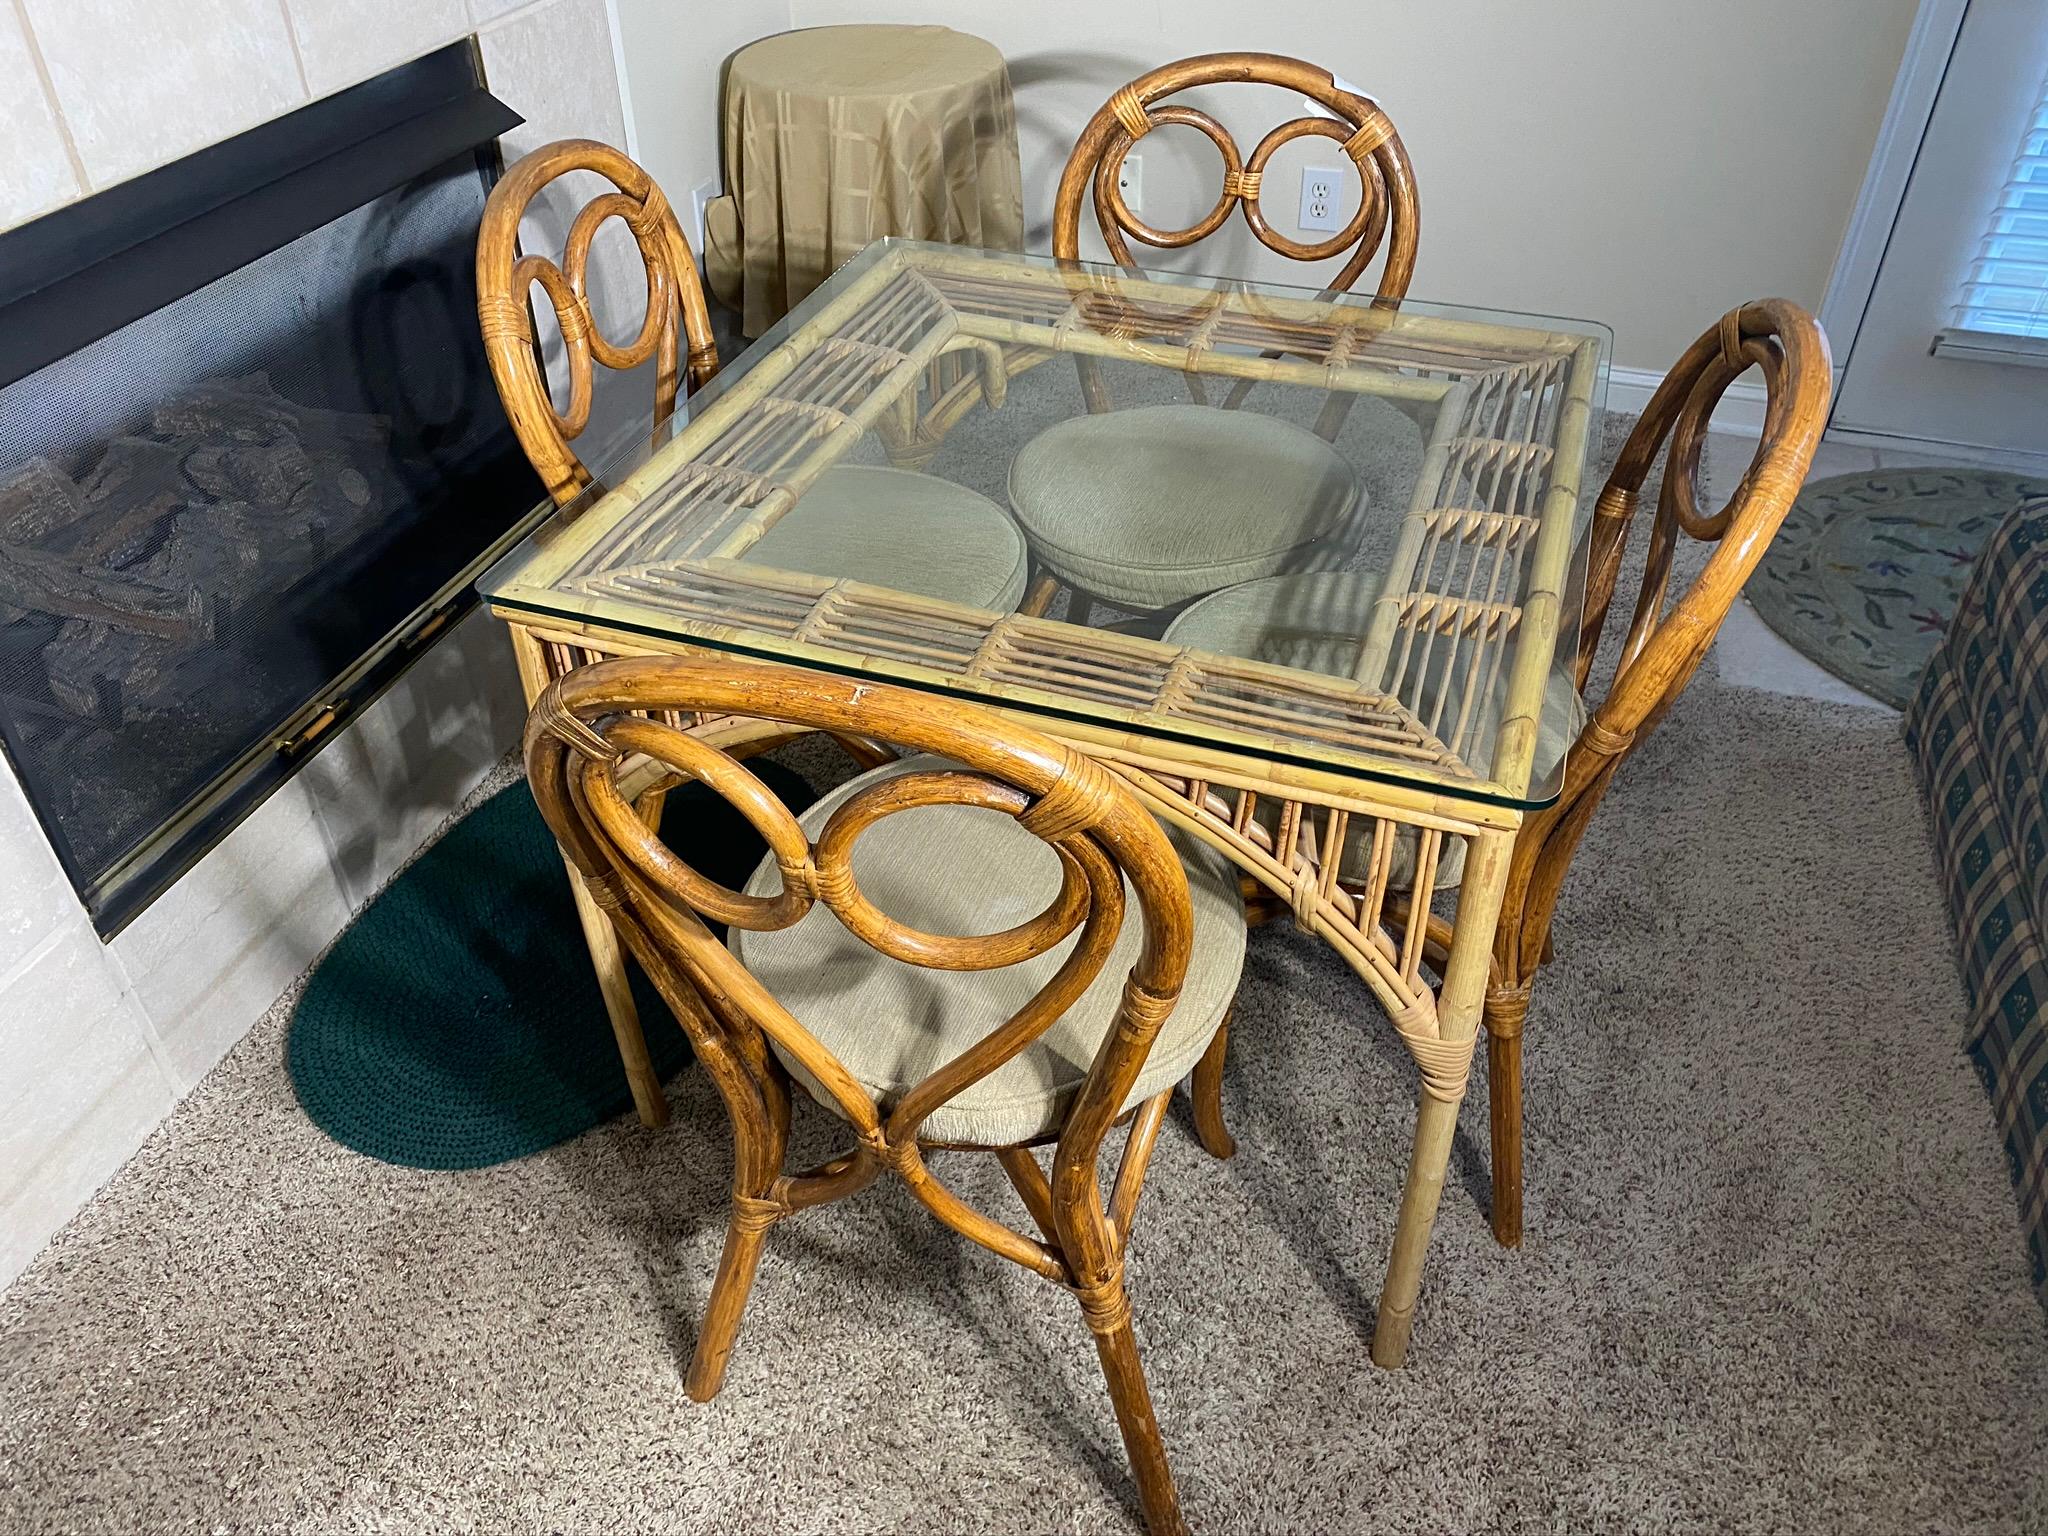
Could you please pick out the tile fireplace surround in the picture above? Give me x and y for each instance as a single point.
(97, 1042)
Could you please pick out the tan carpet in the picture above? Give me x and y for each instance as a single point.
(1773, 1280)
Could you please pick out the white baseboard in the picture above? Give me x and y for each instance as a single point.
(1741, 408)
(1902, 450)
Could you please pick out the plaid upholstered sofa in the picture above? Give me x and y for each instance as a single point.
(1978, 730)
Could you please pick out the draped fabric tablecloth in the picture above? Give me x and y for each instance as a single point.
(836, 136)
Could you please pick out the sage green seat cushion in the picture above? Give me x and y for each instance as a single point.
(1315, 622)
(898, 528)
(1152, 506)
(958, 870)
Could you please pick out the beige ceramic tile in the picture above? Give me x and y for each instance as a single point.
(403, 767)
(142, 82)
(35, 172)
(84, 1093)
(35, 898)
(214, 951)
(344, 41)
(482, 12)
(554, 64)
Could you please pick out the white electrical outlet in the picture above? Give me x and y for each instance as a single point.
(1130, 181)
(1320, 205)
(700, 194)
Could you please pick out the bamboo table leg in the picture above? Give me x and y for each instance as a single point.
(1436, 1118)
(606, 955)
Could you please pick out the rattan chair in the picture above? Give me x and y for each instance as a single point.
(846, 972)
(1172, 500)
(1315, 621)
(891, 526)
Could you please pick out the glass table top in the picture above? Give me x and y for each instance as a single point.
(1289, 527)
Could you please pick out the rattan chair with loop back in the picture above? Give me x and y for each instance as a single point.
(988, 946)
(1665, 643)
(892, 526)
(1316, 621)
(1169, 501)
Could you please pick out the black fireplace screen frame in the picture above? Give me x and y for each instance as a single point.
(82, 273)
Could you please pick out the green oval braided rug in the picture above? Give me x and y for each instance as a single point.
(457, 1023)
(1865, 574)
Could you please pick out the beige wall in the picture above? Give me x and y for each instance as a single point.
(1643, 162)
(675, 55)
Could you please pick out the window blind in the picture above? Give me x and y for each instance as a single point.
(2003, 306)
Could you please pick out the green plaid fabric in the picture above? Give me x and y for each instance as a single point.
(1975, 728)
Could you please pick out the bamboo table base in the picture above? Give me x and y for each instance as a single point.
(1293, 852)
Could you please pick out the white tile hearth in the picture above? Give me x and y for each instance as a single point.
(141, 83)
(35, 898)
(407, 761)
(556, 65)
(83, 1087)
(344, 41)
(218, 947)
(484, 11)
(36, 172)
(97, 1042)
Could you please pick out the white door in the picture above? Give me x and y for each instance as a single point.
(1953, 348)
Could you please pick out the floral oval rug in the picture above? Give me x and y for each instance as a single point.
(1865, 574)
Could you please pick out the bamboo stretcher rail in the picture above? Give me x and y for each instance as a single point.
(1542, 610)
(1481, 337)
(1367, 789)
(1400, 575)
(1358, 378)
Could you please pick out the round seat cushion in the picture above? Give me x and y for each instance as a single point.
(960, 870)
(901, 529)
(1152, 506)
(1315, 622)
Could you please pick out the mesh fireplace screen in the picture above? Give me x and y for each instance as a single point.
(209, 514)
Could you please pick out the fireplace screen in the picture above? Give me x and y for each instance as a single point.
(211, 516)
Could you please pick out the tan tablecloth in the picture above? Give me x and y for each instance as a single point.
(836, 136)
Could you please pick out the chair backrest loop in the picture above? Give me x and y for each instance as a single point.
(1388, 212)
(1099, 831)
(1667, 639)
(675, 331)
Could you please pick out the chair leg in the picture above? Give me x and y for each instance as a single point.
(606, 954)
(745, 1236)
(1207, 1093)
(1039, 595)
(1117, 1346)
(609, 959)
(1505, 1009)
(1504, 1106)
(1435, 1120)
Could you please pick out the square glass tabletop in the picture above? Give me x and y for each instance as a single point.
(1285, 526)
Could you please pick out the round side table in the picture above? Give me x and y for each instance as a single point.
(837, 136)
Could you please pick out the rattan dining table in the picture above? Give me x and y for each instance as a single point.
(1357, 748)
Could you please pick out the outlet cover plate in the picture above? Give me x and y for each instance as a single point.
(700, 194)
(1322, 190)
